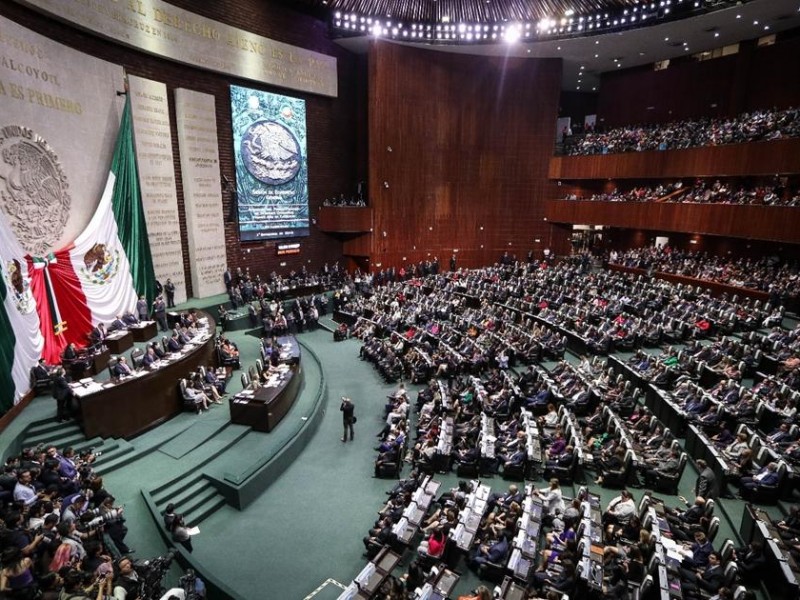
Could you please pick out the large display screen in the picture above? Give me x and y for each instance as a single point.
(269, 144)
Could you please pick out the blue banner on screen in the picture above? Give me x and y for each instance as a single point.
(269, 145)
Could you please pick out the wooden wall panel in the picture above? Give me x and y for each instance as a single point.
(459, 147)
(757, 158)
(643, 95)
(345, 219)
(774, 223)
(335, 127)
(754, 78)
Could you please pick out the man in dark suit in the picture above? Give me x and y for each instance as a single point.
(41, 376)
(494, 552)
(122, 369)
(63, 395)
(130, 319)
(98, 334)
(564, 460)
(160, 312)
(117, 324)
(668, 468)
(141, 308)
(708, 579)
(750, 560)
(767, 476)
(169, 289)
(706, 485)
(174, 344)
(683, 524)
(149, 358)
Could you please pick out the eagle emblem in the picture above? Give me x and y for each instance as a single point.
(33, 189)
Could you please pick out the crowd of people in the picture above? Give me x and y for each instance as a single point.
(758, 125)
(63, 535)
(701, 191)
(768, 274)
(342, 200)
(414, 319)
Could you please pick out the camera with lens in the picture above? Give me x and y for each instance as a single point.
(93, 519)
(151, 573)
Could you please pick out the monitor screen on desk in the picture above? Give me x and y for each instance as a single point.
(387, 562)
(446, 582)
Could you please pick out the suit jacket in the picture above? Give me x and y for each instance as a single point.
(121, 369)
(497, 551)
(40, 373)
(707, 484)
(116, 325)
(771, 478)
(701, 552)
(97, 335)
(712, 578)
(173, 345)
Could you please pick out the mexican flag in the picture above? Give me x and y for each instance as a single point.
(98, 276)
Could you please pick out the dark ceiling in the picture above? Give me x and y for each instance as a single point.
(718, 24)
(483, 11)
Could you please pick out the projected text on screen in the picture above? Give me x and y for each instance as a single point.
(269, 142)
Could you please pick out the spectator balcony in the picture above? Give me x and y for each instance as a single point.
(771, 223)
(754, 158)
(345, 219)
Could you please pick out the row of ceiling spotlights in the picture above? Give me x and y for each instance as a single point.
(510, 32)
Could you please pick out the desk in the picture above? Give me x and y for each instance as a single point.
(511, 591)
(99, 360)
(238, 321)
(144, 331)
(119, 341)
(263, 409)
(781, 574)
(136, 404)
(368, 582)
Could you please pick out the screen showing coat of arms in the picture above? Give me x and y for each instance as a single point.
(269, 144)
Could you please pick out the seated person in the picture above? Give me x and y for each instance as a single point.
(707, 578)
(684, 523)
(122, 368)
(669, 468)
(174, 344)
(767, 476)
(130, 319)
(150, 358)
(42, 379)
(199, 398)
(213, 379)
(117, 324)
(491, 551)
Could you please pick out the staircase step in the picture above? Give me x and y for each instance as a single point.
(48, 427)
(70, 435)
(116, 454)
(207, 509)
(195, 503)
(172, 489)
(183, 495)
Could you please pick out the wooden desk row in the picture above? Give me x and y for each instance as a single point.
(131, 406)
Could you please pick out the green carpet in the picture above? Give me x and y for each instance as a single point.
(196, 435)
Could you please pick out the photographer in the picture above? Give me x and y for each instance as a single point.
(348, 417)
(126, 583)
(85, 586)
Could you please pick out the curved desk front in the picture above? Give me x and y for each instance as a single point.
(132, 406)
(264, 408)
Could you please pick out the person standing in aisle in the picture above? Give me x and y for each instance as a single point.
(169, 288)
(348, 417)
